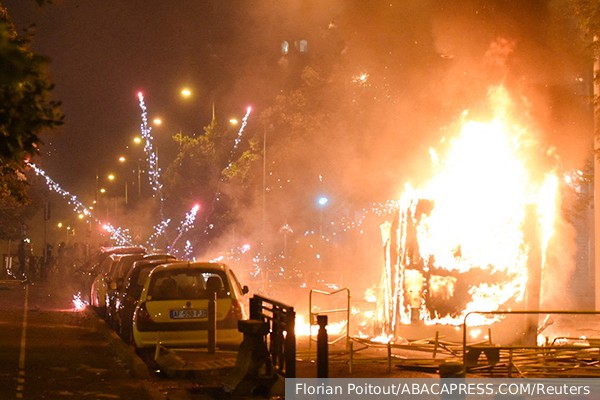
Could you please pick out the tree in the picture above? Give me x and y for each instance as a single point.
(26, 108)
(587, 13)
(207, 172)
(25, 111)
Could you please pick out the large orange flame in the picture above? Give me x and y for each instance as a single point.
(469, 222)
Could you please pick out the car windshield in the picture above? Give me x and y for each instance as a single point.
(187, 284)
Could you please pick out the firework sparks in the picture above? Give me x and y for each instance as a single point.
(152, 158)
(78, 206)
(186, 224)
(188, 250)
(78, 303)
(119, 235)
(238, 138)
(159, 230)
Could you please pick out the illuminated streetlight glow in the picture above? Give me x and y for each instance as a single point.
(185, 92)
(137, 140)
(233, 121)
(122, 159)
(111, 177)
(157, 121)
(322, 200)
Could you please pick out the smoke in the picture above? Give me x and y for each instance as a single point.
(400, 74)
(397, 75)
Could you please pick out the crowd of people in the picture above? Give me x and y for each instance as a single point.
(63, 260)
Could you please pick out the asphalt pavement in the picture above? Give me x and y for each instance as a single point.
(49, 350)
(192, 374)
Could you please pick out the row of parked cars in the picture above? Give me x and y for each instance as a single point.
(149, 297)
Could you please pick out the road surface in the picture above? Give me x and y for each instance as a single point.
(49, 350)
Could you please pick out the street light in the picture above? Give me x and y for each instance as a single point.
(322, 202)
(138, 140)
(185, 92)
(122, 160)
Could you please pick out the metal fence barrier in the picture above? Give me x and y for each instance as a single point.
(281, 320)
(551, 359)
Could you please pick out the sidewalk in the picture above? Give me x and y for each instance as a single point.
(195, 374)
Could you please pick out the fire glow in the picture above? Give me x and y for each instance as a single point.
(463, 241)
(78, 303)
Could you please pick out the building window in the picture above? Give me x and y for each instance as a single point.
(303, 46)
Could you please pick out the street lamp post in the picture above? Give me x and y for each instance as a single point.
(137, 140)
(264, 183)
(322, 202)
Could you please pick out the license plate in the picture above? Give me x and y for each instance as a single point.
(190, 313)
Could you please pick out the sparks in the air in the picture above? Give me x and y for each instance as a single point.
(78, 206)
(78, 303)
(188, 250)
(186, 224)
(238, 137)
(159, 230)
(153, 169)
(119, 235)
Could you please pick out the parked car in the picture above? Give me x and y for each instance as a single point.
(114, 282)
(99, 286)
(128, 296)
(91, 267)
(174, 302)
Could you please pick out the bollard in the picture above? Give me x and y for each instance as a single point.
(290, 345)
(253, 368)
(322, 348)
(212, 322)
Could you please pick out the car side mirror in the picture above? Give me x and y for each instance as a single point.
(245, 289)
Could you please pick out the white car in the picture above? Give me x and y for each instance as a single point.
(173, 307)
(99, 286)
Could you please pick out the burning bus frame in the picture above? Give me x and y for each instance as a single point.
(420, 292)
(409, 325)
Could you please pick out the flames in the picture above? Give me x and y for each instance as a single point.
(464, 239)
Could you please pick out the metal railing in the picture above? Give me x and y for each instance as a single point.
(314, 314)
(281, 320)
(548, 360)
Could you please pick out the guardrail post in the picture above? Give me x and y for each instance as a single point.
(256, 308)
(322, 348)
(212, 322)
(290, 345)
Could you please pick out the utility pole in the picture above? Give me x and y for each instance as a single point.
(596, 253)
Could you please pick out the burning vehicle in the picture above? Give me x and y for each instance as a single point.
(475, 236)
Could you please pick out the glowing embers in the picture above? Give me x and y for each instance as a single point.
(464, 240)
(78, 303)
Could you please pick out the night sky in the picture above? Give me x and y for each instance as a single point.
(427, 55)
(103, 53)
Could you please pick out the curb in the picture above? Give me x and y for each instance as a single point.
(136, 366)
